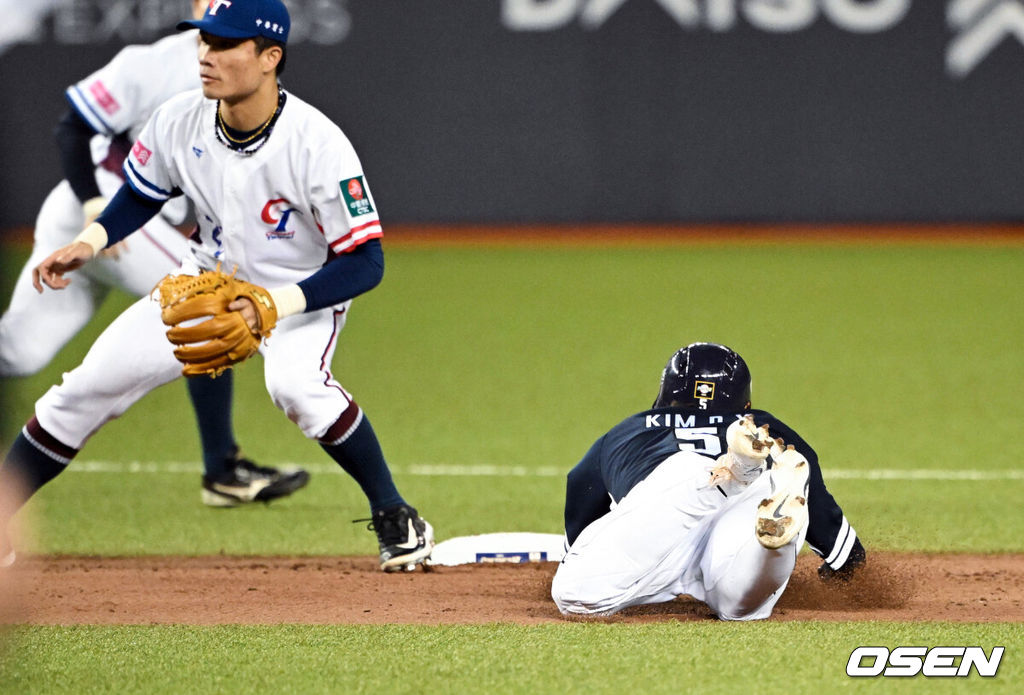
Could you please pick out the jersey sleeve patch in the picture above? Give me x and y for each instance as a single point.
(141, 152)
(144, 184)
(104, 99)
(356, 201)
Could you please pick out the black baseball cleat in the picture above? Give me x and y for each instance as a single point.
(856, 559)
(404, 538)
(244, 482)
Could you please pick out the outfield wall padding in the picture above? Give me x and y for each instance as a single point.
(615, 110)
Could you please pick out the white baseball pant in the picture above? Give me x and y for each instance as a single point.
(671, 535)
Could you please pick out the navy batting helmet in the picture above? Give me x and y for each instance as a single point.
(705, 376)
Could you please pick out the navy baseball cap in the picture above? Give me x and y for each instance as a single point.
(243, 19)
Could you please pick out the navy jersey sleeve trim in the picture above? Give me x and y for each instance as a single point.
(142, 186)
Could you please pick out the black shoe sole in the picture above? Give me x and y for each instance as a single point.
(286, 485)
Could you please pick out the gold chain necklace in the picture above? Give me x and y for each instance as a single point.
(227, 134)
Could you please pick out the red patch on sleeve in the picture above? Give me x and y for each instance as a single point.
(104, 98)
(141, 152)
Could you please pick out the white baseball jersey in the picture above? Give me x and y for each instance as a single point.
(278, 212)
(122, 95)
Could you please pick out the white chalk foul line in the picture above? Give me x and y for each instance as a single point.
(496, 471)
(923, 474)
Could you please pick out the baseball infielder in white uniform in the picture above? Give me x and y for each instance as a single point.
(280, 193)
(108, 109)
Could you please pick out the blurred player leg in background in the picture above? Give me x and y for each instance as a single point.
(36, 326)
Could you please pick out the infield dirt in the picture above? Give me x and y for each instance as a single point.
(63, 590)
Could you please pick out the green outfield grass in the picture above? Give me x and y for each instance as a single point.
(897, 360)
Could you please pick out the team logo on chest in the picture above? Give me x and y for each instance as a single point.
(356, 200)
(277, 212)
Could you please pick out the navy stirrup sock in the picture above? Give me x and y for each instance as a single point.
(34, 459)
(211, 400)
(358, 452)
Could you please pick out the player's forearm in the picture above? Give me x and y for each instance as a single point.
(73, 136)
(345, 277)
(126, 212)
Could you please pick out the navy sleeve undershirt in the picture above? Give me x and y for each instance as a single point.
(126, 212)
(345, 277)
(73, 136)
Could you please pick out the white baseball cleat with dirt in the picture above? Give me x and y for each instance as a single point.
(749, 446)
(781, 517)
